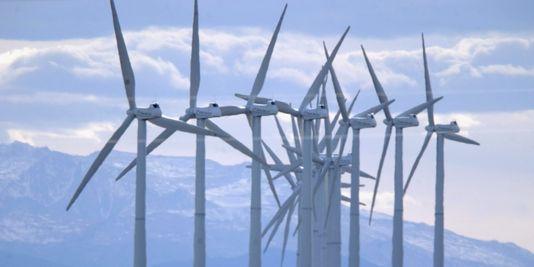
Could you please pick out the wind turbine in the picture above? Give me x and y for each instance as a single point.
(322, 164)
(360, 121)
(151, 114)
(443, 131)
(406, 119)
(306, 116)
(254, 114)
(202, 116)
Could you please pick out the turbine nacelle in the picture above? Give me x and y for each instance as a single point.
(345, 160)
(405, 121)
(317, 113)
(452, 127)
(153, 111)
(211, 111)
(363, 121)
(267, 109)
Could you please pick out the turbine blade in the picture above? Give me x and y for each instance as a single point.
(291, 168)
(331, 125)
(461, 139)
(249, 120)
(315, 158)
(271, 153)
(324, 100)
(232, 110)
(334, 121)
(276, 217)
(262, 73)
(382, 97)
(375, 109)
(194, 79)
(417, 109)
(281, 211)
(419, 156)
(363, 174)
(282, 106)
(257, 99)
(337, 137)
(229, 139)
(320, 176)
(186, 117)
(273, 232)
(286, 108)
(290, 155)
(102, 155)
(380, 165)
(153, 145)
(126, 67)
(366, 175)
(341, 129)
(181, 126)
(428, 87)
(314, 88)
(286, 231)
(353, 101)
(340, 97)
(342, 146)
(277, 160)
(297, 228)
(269, 177)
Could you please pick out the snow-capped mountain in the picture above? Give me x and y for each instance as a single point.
(35, 229)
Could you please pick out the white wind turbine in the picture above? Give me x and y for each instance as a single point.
(360, 121)
(328, 252)
(401, 121)
(202, 116)
(305, 116)
(443, 131)
(151, 114)
(254, 114)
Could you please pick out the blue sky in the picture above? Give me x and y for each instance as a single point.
(60, 84)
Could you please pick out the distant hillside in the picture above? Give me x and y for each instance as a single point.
(35, 230)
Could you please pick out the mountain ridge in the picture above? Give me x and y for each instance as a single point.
(36, 183)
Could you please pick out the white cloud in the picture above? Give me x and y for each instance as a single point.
(91, 132)
(162, 67)
(297, 57)
(63, 99)
(507, 70)
(384, 200)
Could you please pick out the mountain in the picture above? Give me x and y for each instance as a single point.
(35, 229)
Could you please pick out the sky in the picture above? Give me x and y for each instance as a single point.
(60, 85)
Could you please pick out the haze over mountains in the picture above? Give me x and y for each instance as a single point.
(35, 184)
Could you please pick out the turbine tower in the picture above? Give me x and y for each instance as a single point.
(151, 114)
(443, 131)
(401, 121)
(254, 114)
